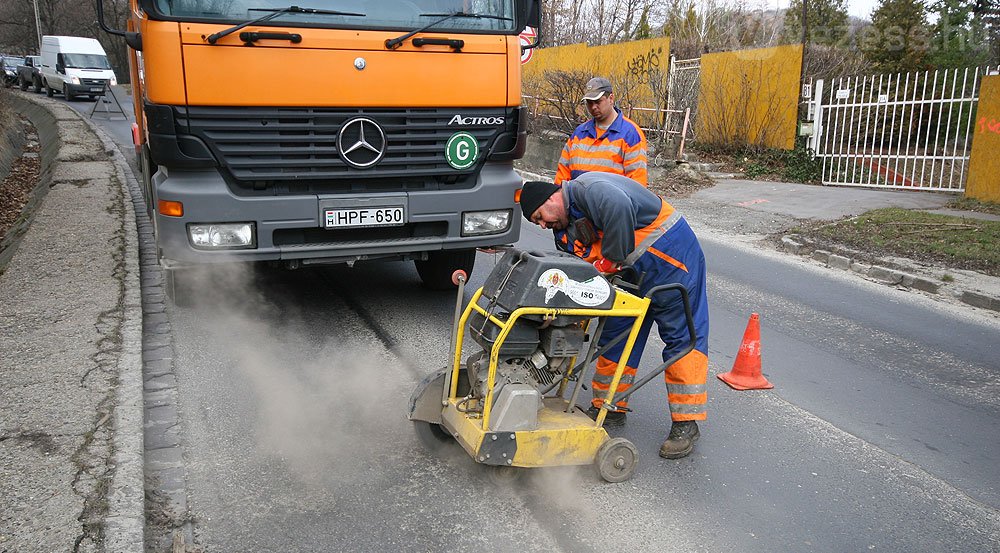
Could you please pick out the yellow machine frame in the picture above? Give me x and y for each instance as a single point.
(562, 438)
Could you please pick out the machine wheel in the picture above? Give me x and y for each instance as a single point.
(436, 271)
(38, 85)
(432, 436)
(616, 460)
(501, 475)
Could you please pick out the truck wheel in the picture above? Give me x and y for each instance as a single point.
(48, 90)
(436, 271)
(38, 85)
(21, 83)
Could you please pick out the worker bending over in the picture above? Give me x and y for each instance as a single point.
(611, 221)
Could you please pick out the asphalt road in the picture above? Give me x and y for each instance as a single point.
(880, 435)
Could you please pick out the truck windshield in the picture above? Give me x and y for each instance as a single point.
(13, 62)
(377, 14)
(86, 61)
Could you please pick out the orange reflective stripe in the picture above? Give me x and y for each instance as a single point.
(667, 258)
(690, 369)
(666, 210)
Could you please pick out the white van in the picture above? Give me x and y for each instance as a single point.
(75, 66)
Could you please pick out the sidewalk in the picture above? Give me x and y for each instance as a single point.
(71, 475)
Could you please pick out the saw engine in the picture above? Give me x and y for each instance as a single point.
(538, 350)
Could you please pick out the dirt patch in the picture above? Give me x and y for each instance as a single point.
(677, 182)
(17, 187)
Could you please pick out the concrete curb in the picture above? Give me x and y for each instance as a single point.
(125, 525)
(886, 273)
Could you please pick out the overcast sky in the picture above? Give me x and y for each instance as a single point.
(857, 8)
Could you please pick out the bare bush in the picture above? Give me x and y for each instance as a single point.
(555, 100)
(740, 110)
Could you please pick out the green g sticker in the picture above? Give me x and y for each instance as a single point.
(462, 150)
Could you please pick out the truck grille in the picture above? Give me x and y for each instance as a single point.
(294, 150)
(93, 82)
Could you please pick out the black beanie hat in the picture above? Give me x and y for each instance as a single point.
(533, 195)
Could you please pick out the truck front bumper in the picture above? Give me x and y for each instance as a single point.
(291, 227)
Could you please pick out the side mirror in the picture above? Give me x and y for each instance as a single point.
(133, 39)
(60, 68)
(534, 18)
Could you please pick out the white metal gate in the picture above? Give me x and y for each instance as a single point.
(902, 130)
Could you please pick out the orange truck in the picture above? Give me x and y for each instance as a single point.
(333, 132)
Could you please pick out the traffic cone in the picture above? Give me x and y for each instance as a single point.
(746, 369)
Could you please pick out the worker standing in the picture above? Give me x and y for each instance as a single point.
(611, 221)
(609, 142)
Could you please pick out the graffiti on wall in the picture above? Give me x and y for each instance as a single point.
(641, 65)
(991, 125)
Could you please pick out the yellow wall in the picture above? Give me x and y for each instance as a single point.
(984, 163)
(750, 97)
(630, 66)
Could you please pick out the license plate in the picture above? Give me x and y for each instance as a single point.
(364, 217)
(93, 89)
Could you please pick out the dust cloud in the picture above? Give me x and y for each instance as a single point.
(321, 393)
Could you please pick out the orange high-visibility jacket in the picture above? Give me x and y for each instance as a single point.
(621, 150)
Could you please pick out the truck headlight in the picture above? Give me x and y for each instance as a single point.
(75, 80)
(218, 236)
(485, 222)
(114, 81)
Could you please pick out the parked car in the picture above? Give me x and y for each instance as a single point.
(29, 73)
(9, 64)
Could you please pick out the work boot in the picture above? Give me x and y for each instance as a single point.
(680, 441)
(614, 418)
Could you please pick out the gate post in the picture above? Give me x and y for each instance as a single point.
(814, 141)
(984, 164)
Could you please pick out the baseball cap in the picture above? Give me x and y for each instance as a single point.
(597, 87)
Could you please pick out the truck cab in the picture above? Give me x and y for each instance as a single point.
(355, 130)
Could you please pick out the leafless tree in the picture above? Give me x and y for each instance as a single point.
(63, 17)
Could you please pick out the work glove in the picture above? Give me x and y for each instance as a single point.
(607, 267)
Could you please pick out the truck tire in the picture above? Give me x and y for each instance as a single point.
(21, 83)
(38, 85)
(48, 90)
(436, 271)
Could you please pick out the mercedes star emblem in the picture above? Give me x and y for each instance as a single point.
(361, 142)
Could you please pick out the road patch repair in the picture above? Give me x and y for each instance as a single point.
(70, 332)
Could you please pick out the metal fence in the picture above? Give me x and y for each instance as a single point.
(901, 130)
(683, 84)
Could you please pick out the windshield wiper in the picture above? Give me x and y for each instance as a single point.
(394, 43)
(214, 37)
